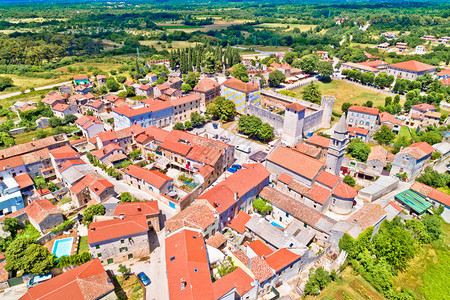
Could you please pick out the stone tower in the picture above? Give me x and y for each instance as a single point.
(327, 104)
(338, 142)
(293, 124)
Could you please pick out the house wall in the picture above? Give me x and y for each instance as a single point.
(276, 171)
(92, 130)
(341, 205)
(136, 244)
(407, 163)
(183, 111)
(48, 223)
(275, 120)
(358, 119)
(147, 187)
(406, 74)
(289, 271)
(375, 165)
(13, 172)
(238, 98)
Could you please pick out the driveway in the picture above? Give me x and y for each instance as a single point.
(155, 268)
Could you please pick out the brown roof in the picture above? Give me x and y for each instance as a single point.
(176, 147)
(40, 209)
(205, 85)
(343, 190)
(367, 216)
(88, 281)
(328, 179)
(281, 259)
(199, 215)
(424, 107)
(186, 99)
(60, 107)
(9, 163)
(296, 106)
(238, 223)
(116, 228)
(318, 140)
(95, 182)
(309, 150)
(23, 180)
(296, 162)
(353, 131)
(363, 109)
(285, 178)
(237, 279)
(237, 84)
(258, 266)
(432, 193)
(32, 146)
(316, 193)
(387, 117)
(216, 240)
(378, 153)
(418, 150)
(413, 65)
(153, 177)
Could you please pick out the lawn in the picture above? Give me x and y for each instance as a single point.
(29, 232)
(346, 92)
(22, 83)
(427, 274)
(404, 130)
(351, 286)
(26, 137)
(128, 289)
(83, 245)
(302, 27)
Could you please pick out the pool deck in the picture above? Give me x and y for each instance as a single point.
(49, 244)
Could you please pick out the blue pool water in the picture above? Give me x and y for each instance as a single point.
(62, 247)
(276, 224)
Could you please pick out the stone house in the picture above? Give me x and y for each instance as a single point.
(150, 181)
(62, 110)
(43, 215)
(174, 83)
(412, 160)
(144, 90)
(110, 154)
(119, 239)
(377, 159)
(207, 89)
(360, 116)
(149, 209)
(159, 90)
(101, 79)
(184, 106)
(92, 187)
(97, 107)
(90, 126)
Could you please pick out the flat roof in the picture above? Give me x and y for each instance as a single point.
(414, 200)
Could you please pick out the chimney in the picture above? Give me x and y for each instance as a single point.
(122, 217)
(183, 283)
(139, 209)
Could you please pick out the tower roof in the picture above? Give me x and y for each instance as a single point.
(341, 126)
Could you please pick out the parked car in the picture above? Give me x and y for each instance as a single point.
(232, 170)
(37, 279)
(215, 125)
(236, 166)
(143, 278)
(243, 148)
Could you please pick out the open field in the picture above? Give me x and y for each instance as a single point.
(22, 83)
(363, 45)
(404, 130)
(175, 44)
(429, 271)
(29, 20)
(351, 286)
(302, 27)
(347, 92)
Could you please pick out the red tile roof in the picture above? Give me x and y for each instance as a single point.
(418, 150)
(318, 140)
(80, 77)
(96, 104)
(23, 180)
(107, 150)
(199, 215)
(387, 117)
(260, 249)
(285, 178)
(378, 153)
(258, 266)
(157, 133)
(221, 196)
(424, 107)
(367, 216)
(40, 209)
(116, 228)
(144, 87)
(4, 275)
(353, 131)
(9, 163)
(151, 106)
(363, 109)
(205, 85)
(85, 119)
(64, 152)
(296, 162)
(296, 107)
(186, 99)
(95, 182)
(309, 150)
(88, 281)
(328, 179)
(238, 223)
(69, 163)
(413, 65)
(316, 193)
(187, 262)
(216, 240)
(237, 279)
(137, 208)
(432, 193)
(281, 259)
(445, 72)
(343, 190)
(60, 107)
(162, 87)
(237, 84)
(176, 147)
(155, 178)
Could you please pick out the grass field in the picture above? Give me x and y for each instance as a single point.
(428, 273)
(83, 245)
(302, 27)
(346, 92)
(363, 45)
(175, 44)
(404, 130)
(351, 286)
(22, 83)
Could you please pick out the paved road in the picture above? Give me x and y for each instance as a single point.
(37, 89)
(441, 167)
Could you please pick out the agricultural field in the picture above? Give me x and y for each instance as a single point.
(351, 286)
(22, 83)
(286, 27)
(346, 92)
(175, 44)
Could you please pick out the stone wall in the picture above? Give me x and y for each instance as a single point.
(312, 122)
(275, 120)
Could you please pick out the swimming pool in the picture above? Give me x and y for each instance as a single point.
(62, 247)
(276, 224)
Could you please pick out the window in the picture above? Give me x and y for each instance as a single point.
(195, 270)
(99, 255)
(110, 261)
(361, 122)
(122, 241)
(97, 246)
(351, 120)
(287, 215)
(123, 249)
(367, 123)
(130, 256)
(172, 258)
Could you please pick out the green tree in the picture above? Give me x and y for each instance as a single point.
(89, 113)
(125, 271)
(191, 78)
(178, 126)
(91, 211)
(433, 226)
(261, 206)
(325, 68)
(5, 82)
(212, 110)
(186, 87)
(197, 119)
(112, 84)
(401, 142)
(121, 79)
(265, 132)
(308, 63)
(70, 119)
(348, 179)
(276, 77)
(188, 124)
(384, 135)
(431, 137)
(12, 225)
(290, 56)
(135, 154)
(311, 93)
(239, 71)
(345, 106)
(358, 149)
(24, 255)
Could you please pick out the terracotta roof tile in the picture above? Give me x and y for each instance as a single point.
(137, 208)
(306, 149)
(363, 109)
(237, 84)
(378, 153)
(328, 179)
(413, 65)
(387, 117)
(418, 150)
(260, 249)
(353, 131)
(281, 259)
(343, 190)
(205, 85)
(40, 209)
(237, 279)
(80, 77)
(186, 99)
(198, 215)
(155, 178)
(176, 147)
(367, 216)
(23, 180)
(285, 178)
(296, 106)
(318, 140)
(258, 266)
(216, 240)
(432, 193)
(424, 107)
(238, 223)
(116, 228)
